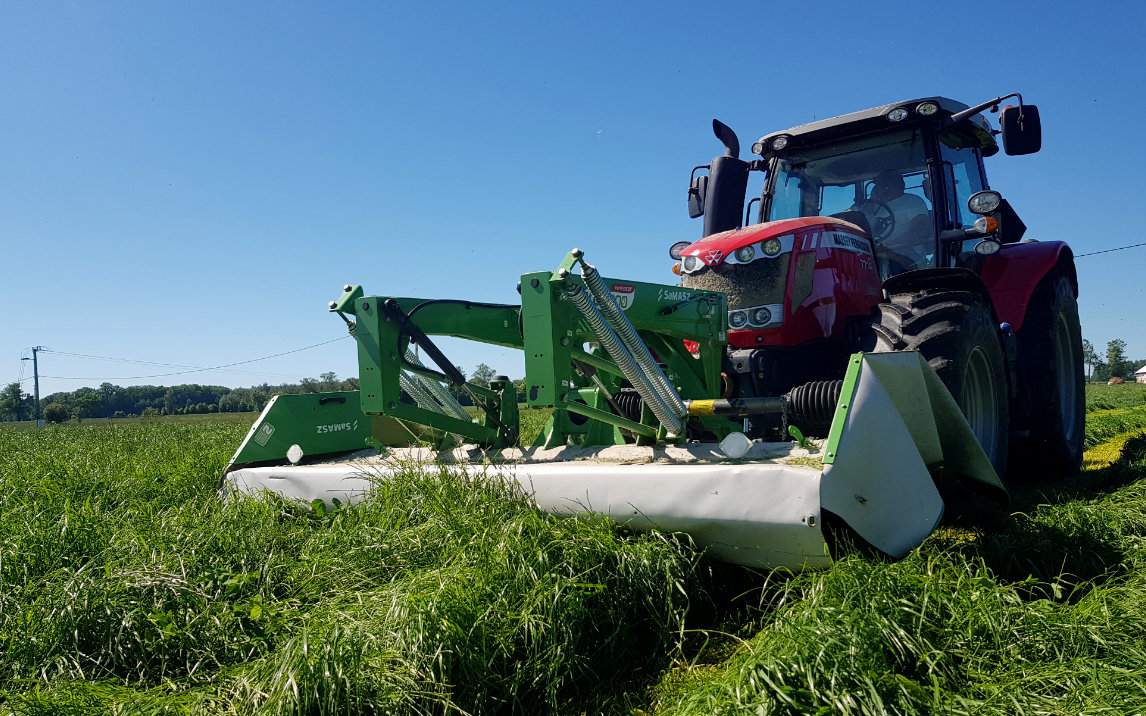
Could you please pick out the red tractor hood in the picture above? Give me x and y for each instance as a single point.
(712, 250)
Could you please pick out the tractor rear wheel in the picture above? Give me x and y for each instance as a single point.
(955, 332)
(1051, 371)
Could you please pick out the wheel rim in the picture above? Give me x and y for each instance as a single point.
(1065, 378)
(980, 402)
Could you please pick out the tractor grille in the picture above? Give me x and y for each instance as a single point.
(759, 283)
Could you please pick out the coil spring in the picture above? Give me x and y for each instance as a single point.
(621, 355)
(415, 390)
(449, 403)
(814, 403)
(628, 335)
(628, 403)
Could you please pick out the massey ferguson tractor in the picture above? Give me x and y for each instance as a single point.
(869, 342)
(877, 231)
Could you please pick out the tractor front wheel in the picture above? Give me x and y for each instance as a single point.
(1051, 372)
(955, 332)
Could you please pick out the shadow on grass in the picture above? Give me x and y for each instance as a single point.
(1055, 545)
(1126, 469)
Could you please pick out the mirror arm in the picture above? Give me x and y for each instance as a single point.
(971, 111)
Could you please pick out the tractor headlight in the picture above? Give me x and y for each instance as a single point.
(761, 316)
(690, 263)
(779, 143)
(927, 108)
(897, 115)
(737, 319)
(771, 247)
(986, 247)
(984, 202)
(744, 254)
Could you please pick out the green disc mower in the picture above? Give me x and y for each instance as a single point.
(640, 428)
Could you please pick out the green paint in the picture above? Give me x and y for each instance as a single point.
(319, 423)
(564, 368)
(851, 380)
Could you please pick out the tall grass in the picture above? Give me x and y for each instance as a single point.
(1045, 616)
(1104, 397)
(125, 583)
(126, 586)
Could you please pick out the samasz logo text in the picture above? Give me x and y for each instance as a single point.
(337, 427)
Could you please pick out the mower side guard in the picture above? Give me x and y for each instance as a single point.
(896, 426)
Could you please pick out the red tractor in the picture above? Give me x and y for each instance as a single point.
(877, 231)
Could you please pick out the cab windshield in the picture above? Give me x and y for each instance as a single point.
(883, 178)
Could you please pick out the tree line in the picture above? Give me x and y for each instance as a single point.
(114, 401)
(1112, 363)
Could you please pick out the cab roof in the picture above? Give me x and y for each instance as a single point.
(975, 132)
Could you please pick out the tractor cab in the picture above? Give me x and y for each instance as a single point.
(904, 173)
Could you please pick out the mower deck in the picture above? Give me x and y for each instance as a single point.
(758, 510)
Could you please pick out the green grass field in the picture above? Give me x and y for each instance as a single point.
(127, 587)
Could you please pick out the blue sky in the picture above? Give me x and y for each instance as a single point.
(191, 182)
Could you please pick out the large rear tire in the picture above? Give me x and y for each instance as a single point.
(1051, 372)
(956, 333)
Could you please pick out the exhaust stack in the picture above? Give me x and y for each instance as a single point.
(727, 182)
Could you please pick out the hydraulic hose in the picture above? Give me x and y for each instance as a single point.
(629, 336)
(625, 360)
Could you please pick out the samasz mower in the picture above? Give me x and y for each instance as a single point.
(874, 345)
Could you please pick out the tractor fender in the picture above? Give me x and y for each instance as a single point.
(1012, 275)
(948, 279)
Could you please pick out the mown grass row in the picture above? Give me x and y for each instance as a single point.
(127, 587)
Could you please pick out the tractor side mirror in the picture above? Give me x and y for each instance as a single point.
(1022, 130)
(697, 189)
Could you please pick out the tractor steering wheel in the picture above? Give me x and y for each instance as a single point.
(881, 219)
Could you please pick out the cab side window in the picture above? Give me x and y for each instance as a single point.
(965, 178)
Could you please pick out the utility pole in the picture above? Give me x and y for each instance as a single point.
(36, 382)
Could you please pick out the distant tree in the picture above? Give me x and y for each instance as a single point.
(1101, 371)
(482, 375)
(150, 412)
(1116, 357)
(328, 380)
(1089, 357)
(55, 413)
(13, 402)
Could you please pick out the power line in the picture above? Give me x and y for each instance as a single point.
(203, 370)
(1107, 251)
(121, 360)
(118, 359)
